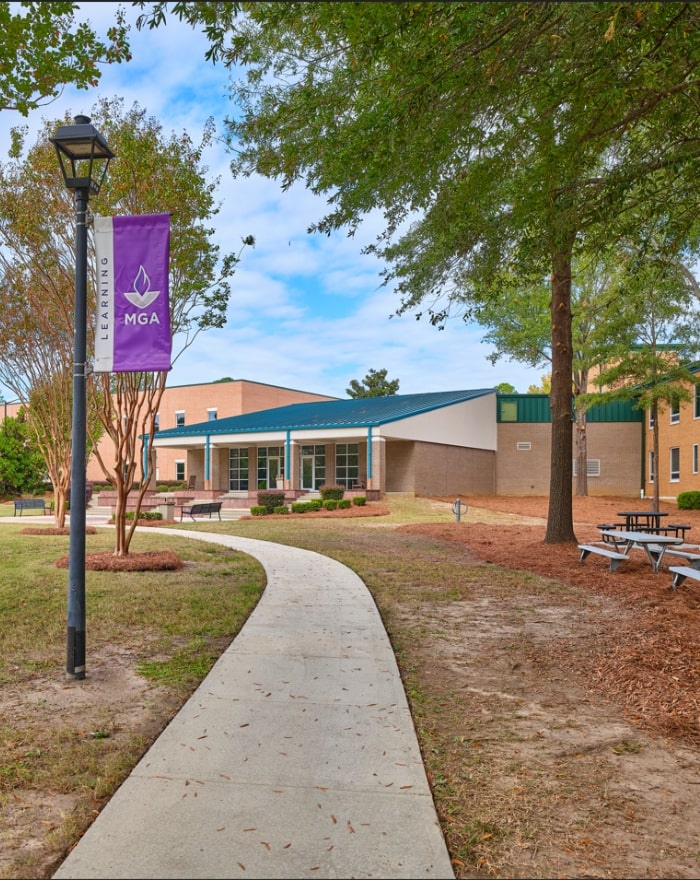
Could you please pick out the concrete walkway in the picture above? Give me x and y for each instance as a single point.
(296, 757)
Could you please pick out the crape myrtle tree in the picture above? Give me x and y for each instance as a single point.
(151, 174)
(37, 283)
(490, 136)
(43, 49)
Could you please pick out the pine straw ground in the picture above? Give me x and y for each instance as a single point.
(650, 662)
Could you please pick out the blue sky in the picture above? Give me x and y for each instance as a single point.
(306, 312)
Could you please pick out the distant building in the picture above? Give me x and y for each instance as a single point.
(441, 443)
(472, 442)
(184, 405)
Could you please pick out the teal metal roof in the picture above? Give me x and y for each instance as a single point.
(361, 412)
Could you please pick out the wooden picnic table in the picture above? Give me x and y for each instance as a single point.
(653, 545)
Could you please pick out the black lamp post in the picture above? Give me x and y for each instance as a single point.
(82, 152)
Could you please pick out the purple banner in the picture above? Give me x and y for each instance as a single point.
(132, 330)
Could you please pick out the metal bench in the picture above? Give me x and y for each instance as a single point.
(615, 557)
(693, 558)
(200, 508)
(676, 529)
(23, 504)
(681, 572)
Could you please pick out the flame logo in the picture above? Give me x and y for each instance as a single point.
(142, 295)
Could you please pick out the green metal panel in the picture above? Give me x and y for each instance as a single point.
(615, 411)
(535, 408)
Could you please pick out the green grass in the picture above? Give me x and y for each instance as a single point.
(189, 613)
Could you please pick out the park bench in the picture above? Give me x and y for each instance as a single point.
(692, 557)
(23, 504)
(200, 508)
(681, 572)
(615, 557)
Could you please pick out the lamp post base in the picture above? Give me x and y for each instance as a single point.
(75, 653)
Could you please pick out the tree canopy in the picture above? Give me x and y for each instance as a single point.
(375, 384)
(43, 50)
(493, 138)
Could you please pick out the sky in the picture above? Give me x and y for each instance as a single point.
(307, 312)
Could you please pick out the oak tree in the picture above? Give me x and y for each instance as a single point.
(489, 137)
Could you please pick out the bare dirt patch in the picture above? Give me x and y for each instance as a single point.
(569, 730)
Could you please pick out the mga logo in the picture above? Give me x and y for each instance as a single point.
(142, 295)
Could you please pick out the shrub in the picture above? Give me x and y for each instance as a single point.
(331, 493)
(330, 504)
(144, 514)
(270, 500)
(343, 504)
(359, 500)
(688, 500)
(302, 506)
(258, 510)
(282, 508)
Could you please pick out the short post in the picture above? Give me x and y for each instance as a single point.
(458, 508)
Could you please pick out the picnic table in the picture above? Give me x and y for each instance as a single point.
(653, 545)
(642, 520)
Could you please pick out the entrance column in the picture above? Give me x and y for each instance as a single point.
(378, 479)
(293, 465)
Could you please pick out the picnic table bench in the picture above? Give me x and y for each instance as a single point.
(23, 504)
(200, 508)
(681, 572)
(615, 557)
(692, 556)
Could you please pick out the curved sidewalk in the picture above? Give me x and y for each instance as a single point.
(296, 757)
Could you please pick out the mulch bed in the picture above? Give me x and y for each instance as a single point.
(153, 560)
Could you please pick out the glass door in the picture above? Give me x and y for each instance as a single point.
(274, 469)
(307, 472)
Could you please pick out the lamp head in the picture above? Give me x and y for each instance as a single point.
(83, 155)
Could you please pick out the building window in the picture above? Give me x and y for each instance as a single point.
(180, 418)
(675, 464)
(652, 469)
(675, 412)
(238, 470)
(651, 419)
(695, 458)
(156, 422)
(180, 471)
(523, 446)
(347, 464)
(211, 415)
(696, 401)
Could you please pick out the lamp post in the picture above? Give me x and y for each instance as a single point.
(81, 151)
